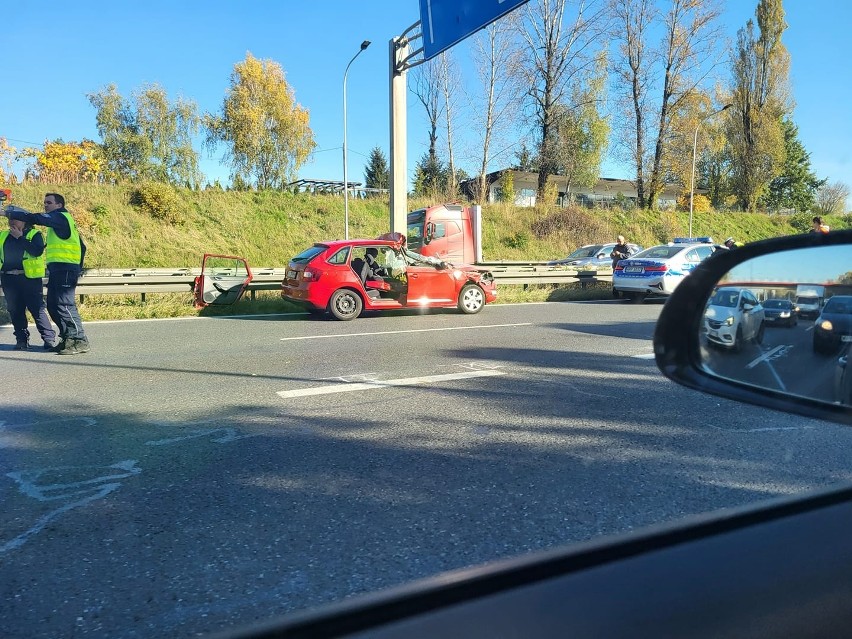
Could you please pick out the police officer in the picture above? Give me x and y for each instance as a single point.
(22, 268)
(64, 256)
(731, 243)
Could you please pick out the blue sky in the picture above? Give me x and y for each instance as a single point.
(57, 52)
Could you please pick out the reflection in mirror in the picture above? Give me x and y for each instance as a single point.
(784, 322)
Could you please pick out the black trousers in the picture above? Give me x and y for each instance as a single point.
(62, 303)
(25, 294)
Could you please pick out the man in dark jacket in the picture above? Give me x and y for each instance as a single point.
(21, 273)
(621, 251)
(64, 255)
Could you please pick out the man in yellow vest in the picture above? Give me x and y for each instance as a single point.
(22, 268)
(64, 256)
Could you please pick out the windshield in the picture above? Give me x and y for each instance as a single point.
(416, 222)
(586, 251)
(725, 297)
(776, 304)
(839, 305)
(659, 252)
(308, 254)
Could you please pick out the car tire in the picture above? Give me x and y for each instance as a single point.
(345, 304)
(758, 337)
(471, 299)
(738, 340)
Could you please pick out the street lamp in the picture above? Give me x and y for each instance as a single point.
(364, 45)
(694, 147)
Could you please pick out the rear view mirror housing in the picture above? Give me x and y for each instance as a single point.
(678, 347)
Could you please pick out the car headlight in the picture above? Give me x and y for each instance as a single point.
(826, 325)
(729, 321)
(784, 314)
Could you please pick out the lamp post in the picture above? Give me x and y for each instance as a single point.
(364, 45)
(694, 147)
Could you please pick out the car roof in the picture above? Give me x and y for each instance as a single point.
(335, 244)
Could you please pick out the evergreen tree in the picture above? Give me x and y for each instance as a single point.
(797, 185)
(430, 177)
(377, 173)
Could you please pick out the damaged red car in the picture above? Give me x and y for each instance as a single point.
(347, 277)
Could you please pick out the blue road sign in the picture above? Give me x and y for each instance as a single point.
(446, 22)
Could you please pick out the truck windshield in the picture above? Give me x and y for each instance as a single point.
(414, 232)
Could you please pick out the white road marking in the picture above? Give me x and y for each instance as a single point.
(764, 356)
(227, 435)
(388, 383)
(644, 356)
(414, 330)
(75, 493)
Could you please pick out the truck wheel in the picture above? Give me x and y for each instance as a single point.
(345, 304)
(471, 299)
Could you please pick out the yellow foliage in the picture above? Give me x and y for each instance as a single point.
(65, 162)
(700, 203)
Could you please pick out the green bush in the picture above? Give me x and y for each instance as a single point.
(160, 201)
(519, 240)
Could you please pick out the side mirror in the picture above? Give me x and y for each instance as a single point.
(795, 369)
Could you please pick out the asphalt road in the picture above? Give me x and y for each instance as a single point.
(193, 475)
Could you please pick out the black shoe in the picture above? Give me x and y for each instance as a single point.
(50, 346)
(60, 345)
(75, 346)
(22, 346)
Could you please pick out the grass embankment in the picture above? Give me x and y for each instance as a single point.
(123, 230)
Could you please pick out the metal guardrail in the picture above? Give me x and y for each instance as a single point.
(139, 281)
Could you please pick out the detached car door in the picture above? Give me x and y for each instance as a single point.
(223, 280)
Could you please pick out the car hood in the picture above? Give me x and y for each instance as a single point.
(720, 313)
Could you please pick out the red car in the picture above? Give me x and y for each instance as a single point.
(332, 276)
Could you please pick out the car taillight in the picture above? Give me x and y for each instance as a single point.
(656, 269)
(311, 274)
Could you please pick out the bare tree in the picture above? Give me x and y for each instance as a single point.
(450, 80)
(558, 57)
(496, 59)
(831, 198)
(682, 62)
(427, 88)
(632, 65)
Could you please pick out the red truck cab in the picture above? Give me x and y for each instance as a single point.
(445, 231)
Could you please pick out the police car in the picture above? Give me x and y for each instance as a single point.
(659, 269)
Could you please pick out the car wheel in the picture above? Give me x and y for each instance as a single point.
(738, 340)
(758, 337)
(471, 299)
(345, 304)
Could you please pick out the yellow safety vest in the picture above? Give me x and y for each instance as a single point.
(65, 251)
(34, 265)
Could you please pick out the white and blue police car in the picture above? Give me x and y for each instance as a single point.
(659, 269)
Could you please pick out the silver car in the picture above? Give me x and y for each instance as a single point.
(592, 256)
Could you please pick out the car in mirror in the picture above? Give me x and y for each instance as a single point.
(727, 311)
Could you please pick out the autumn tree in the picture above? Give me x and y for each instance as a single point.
(582, 132)
(58, 162)
(831, 198)
(265, 131)
(760, 97)
(377, 172)
(559, 56)
(496, 58)
(147, 137)
(7, 162)
(796, 186)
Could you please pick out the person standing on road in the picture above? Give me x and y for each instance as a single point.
(22, 269)
(621, 251)
(64, 257)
